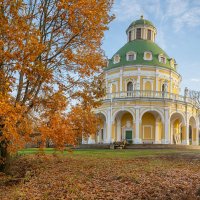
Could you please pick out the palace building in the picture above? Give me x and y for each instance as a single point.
(143, 102)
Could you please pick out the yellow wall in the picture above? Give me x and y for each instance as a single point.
(149, 120)
(194, 134)
(114, 88)
(126, 117)
(148, 86)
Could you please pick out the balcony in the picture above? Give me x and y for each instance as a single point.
(142, 94)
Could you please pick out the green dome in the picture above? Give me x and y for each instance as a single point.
(141, 21)
(139, 47)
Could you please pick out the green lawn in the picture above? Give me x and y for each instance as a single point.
(107, 153)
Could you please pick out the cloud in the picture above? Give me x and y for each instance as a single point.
(191, 19)
(127, 9)
(196, 80)
(132, 9)
(180, 13)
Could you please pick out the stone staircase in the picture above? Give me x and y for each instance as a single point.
(139, 146)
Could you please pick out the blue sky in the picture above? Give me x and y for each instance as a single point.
(178, 32)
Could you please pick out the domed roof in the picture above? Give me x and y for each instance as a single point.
(139, 47)
(141, 21)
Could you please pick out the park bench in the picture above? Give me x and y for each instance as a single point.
(118, 145)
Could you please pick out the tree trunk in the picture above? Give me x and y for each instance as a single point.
(3, 154)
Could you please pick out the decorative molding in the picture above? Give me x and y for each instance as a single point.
(145, 55)
(147, 126)
(131, 53)
(148, 80)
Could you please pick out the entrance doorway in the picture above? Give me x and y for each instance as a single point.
(129, 137)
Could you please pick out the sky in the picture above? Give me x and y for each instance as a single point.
(178, 32)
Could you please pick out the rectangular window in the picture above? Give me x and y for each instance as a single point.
(138, 33)
(149, 35)
(130, 35)
(131, 57)
(162, 59)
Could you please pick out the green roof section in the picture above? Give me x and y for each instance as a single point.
(141, 21)
(139, 47)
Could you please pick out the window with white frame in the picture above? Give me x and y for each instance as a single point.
(162, 59)
(116, 59)
(131, 56)
(147, 55)
(130, 86)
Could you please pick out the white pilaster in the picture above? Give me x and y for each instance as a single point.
(171, 82)
(157, 141)
(187, 141)
(118, 130)
(90, 140)
(156, 79)
(109, 127)
(121, 78)
(197, 131)
(166, 128)
(104, 132)
(137, 139)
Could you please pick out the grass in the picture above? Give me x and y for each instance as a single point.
(107, 153)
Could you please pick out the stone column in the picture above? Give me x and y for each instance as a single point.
(166, 128)
(185, 131)
(118, 129)
(194, 138)
(104, 132)
(156, 133)
(108, 127)
(197, 131)
(91, 139)
(137, 139)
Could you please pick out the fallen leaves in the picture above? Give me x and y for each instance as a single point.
(77, 177)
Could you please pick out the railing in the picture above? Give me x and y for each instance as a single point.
(148, 94)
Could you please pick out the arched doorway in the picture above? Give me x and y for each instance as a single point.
(123, 129)
(151, 127)
(177, 129)
(101, 133)
(192, 131)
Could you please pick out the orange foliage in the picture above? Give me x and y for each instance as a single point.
(50, 57)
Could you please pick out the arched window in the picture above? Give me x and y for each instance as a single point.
(129, 89)
(130, 86)
(163, 87)
(116, 59)
(131, 56)
(162, 59)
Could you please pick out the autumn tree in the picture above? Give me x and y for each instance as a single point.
(50, 63)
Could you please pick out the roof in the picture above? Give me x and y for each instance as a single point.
(140, 46)
(140, 21)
